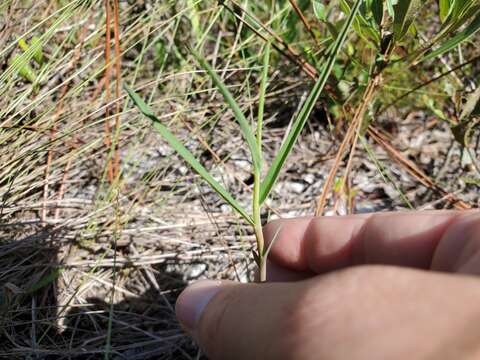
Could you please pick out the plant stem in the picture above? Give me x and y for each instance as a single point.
(257, 172)
(258, 227)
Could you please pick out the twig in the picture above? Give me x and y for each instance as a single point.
(107, 138)
(118, 75)
(304, 19)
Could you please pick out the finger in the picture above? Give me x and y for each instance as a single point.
(324, 244)
(238, 321)
(276, 273)
(459, 248)
(364, 312)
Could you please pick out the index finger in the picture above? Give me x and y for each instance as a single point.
(322, 244)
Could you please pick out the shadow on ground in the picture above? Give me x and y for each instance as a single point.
(36, 324)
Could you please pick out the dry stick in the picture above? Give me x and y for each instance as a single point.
(303, 18)
(53, 133)
(393, 153)
(107, 139)
(118, 76)
(359, 116)
(336, 165)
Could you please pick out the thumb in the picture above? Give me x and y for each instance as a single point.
(240, 321)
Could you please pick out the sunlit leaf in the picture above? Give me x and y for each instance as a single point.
(320, 10)
(186, 154)
(239, 116)
(405, 12)
(306, 109)
(462, 36)
(444, 7)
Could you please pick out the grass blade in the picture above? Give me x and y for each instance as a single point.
(470, 30)
(377, 10)
(444, 7)
(404, 14)
(239, 116)
(307, 108)
(390, 10)
(261, 101)
(186, 154)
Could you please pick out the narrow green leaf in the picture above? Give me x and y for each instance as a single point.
(37, 45)
(320, 10)
(24, 68)
(470, 30)
(459, 6)
(239, 116)
(261, 101)
(444, 7)
(307, 108)
(186, 154)
(366, 29)
(390, 9)
(377, 11)
(405, 12)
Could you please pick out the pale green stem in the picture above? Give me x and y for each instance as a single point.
(257, 220)
(258, 227)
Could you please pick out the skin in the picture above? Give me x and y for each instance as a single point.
(378, 286)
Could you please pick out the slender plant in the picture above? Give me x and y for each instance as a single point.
(253, 138)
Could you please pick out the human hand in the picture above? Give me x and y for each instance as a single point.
(363, 292)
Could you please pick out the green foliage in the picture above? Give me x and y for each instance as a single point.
(444, 7)
(376, 7)
(306, 109)
(261, 188)
(461, 37)
(388, 38)
(24, 68)
(404, 14)
(320, 10)
(21, 62)
(186, 154)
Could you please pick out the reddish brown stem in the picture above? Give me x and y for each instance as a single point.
(118, 78)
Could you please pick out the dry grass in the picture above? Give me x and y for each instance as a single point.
(71, 241)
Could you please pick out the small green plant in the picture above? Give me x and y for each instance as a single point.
(261, 187)
(387, 34)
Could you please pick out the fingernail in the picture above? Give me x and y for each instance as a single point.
(193, 300)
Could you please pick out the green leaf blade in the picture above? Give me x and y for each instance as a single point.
(462, 36)
(444, 7)
(239, 116)
(377, 11)
(405, 12)
(187, 155)
(307, 108)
